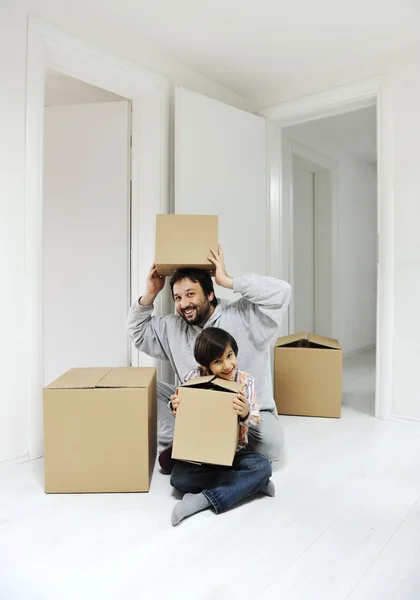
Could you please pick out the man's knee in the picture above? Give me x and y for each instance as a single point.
(165, 391)
(166, 420)
(274, 449)
(268, 437)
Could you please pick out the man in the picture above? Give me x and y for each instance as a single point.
(253, 320)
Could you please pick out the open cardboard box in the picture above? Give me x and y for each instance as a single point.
(307, 375)
(100, 430)
(184, 241)
(206, 426)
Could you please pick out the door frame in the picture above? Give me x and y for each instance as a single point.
(49, 47)
(336, 101)
(292, 148)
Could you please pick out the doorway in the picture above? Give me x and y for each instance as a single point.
(51, 48)
(333, 246)
(86, 226)
(338, 101)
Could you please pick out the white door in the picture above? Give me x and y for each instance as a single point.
(85, 236)
(303, 250)
(221, 168)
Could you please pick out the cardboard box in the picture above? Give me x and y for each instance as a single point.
(184, 241)
(206, 426)
(100, 430)
(307, 375)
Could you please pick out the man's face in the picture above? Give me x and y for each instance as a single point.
(191, 302)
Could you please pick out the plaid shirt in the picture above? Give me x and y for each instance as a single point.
(248, 383)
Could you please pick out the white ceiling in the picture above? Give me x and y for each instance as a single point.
(61, 89)
(353, 132)
(258, 48)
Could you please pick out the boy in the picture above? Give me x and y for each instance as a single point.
(216, 486)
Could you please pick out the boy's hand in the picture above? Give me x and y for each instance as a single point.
(241, 406)
(175, 404)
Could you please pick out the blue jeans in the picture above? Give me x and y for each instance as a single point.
(223, 486)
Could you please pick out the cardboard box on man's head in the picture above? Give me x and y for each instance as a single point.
(184, 241)
(307, 375)
(206, 426)
(100, 430)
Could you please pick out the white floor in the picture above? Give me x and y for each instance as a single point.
(345, 524)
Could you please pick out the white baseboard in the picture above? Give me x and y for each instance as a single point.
(15, 460)
(403, 419)
(358, 351)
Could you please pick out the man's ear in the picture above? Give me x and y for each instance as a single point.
(210, 296)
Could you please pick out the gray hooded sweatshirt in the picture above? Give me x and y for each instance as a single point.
(253, 320)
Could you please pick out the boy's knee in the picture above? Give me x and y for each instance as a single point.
(175, 480)
(268, 470)
(178, 479)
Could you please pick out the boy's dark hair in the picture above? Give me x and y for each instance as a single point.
(197, 276)
(210, 345)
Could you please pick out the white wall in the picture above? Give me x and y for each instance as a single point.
(220, 168)
(356, 241)
(13, 36)
(85, 236)
(12, 234)
(406, 117)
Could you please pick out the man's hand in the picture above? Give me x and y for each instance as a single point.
(154, 284)
(220, 275)
(241, 406)
(174, 403)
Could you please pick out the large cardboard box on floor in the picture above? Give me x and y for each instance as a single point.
(307, 375)
(206, 426)
(184, 241)
(100, 430)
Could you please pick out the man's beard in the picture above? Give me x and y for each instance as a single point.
(202, 311)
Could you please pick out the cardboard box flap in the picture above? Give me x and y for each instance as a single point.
(326, 342)
(229, 386)
(198, 381)
(80, 378)
(127, 377)
(210, 381)
(291, 339)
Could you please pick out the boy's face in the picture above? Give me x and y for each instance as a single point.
(224, 366)
(191, 303)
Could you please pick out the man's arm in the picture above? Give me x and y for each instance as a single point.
(149, 332)
(263, 304)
